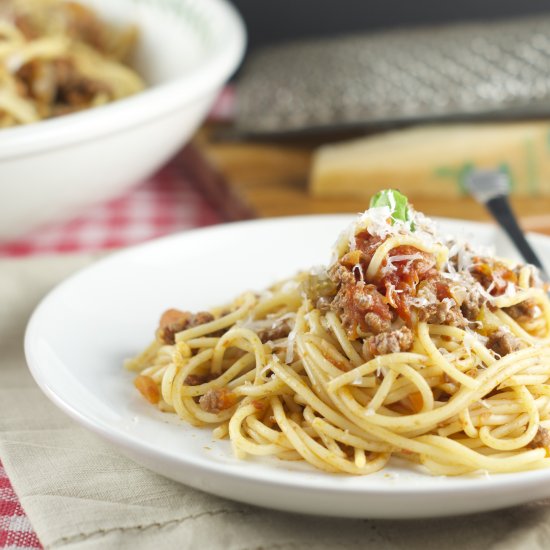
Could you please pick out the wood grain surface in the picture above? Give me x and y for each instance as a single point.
(248, 179)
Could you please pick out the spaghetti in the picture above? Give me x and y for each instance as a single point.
(57, 57)
(405, 345)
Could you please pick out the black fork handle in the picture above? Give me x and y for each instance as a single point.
(502, 211)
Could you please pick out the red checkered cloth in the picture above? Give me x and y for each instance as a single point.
(164, 204)
(15, 529)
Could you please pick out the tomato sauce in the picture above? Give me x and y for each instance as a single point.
(493, 275)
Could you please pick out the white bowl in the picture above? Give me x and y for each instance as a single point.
(51, 169)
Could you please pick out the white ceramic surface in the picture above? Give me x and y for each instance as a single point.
(187, 50)
(80, 334)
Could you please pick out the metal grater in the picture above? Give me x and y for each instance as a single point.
(466, 71)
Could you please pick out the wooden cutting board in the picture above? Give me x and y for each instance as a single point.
(247, 180)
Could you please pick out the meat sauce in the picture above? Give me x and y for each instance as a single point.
(493, 275)
(399, 283)
(361, 307)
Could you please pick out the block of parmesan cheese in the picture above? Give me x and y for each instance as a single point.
(434, 160)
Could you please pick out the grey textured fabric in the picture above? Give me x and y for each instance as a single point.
(79, 492)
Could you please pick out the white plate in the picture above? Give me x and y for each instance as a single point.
(81, 332)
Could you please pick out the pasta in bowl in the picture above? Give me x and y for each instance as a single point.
(59, 57)
(407, 344)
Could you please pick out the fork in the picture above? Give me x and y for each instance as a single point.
(491, 188)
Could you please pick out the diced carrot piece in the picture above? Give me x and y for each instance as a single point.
(148, 388)
(416, 401)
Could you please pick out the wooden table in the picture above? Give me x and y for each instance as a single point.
(271, 179)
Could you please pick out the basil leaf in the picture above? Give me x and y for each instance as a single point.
(395, 201)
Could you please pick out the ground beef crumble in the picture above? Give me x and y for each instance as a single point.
(280, 329)
(442, 313)
(376, 324)
(524, 311)
(438, 307)
(173, 321)
(503, 342)
(197, 379)
(392, 341)
(541, 439)
(217, 400)
(360, 306)
(472, 304)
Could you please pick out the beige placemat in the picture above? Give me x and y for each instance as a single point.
(81, 493)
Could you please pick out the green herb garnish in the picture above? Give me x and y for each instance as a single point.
(396, 202)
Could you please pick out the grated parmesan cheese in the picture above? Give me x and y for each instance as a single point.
(358, 271)
(380, 223)
(380, 369)
(14, 62)
(419, 301)
(291, 339)
(510, 290)
(390, 266)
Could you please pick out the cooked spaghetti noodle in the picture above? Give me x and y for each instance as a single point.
(405, 345)
(57, 57)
